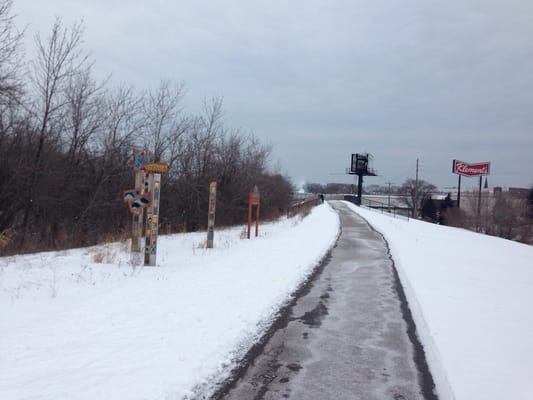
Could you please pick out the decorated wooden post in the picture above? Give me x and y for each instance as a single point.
(139, 158)
(137, 199)
(211, 213)
(146, 194)
(137, 218)
(154, 171)
(253, 200)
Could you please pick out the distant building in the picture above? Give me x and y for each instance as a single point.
(518, 192)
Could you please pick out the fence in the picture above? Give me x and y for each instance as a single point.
(396, 212)
(393, 210)
(304, 205)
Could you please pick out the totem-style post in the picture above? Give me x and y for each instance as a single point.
(137, 199)
(254, 199)
(211, 213)
(154, 171)
(137, 218)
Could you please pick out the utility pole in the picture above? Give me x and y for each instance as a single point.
(479, 204)
(415, 211)
(389, 183)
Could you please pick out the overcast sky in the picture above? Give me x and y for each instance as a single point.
(319, 80)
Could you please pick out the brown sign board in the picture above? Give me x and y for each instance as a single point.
(254, 199)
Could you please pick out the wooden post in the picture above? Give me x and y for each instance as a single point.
(148, 232)
(153, 186)
(253, 200)
(145, 195)
(152, 220)
(479, 200)
(211, 213)
(459, 193)
(139, 158)
(249, 216)
(257, 219)
(156, 190)
(137, 218)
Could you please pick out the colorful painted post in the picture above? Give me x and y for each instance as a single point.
(154, 171)
(156, 191)
(139, 158)
(211, 213)
(137, 221)
(148, 231)
(257, 217)
(253, 200)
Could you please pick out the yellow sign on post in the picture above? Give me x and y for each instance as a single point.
(156, 168)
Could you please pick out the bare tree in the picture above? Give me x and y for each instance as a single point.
(414, 194)
(10, 56)
(124, 120)
(84, 113)
(59, 59)
(164, 123)
(121, 127)
(65, 149)
(530, 203)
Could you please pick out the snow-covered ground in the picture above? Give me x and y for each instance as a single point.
(472, 300)
(74, 328)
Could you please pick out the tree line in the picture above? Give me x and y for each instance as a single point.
(66, 143)
(504, 214)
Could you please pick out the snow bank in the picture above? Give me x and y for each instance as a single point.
(471, 296)
(72, 328)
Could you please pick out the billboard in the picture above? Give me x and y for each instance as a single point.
(467, 169)
(359, 163)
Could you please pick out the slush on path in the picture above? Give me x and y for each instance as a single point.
(349, 336)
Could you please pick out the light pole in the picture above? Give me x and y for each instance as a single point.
(389, 183)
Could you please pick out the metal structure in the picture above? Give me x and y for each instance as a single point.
(361, 165)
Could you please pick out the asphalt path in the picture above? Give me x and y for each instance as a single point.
(349, 335)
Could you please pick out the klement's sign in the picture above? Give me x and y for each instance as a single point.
(156, 168)
(466, 169)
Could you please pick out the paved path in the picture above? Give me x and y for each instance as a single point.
(347, 337)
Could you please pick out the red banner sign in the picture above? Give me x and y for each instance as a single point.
(467, 169)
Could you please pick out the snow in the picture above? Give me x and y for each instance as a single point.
(74, 328)
(471, 297)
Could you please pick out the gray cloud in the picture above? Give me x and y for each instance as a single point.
(433, 80)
